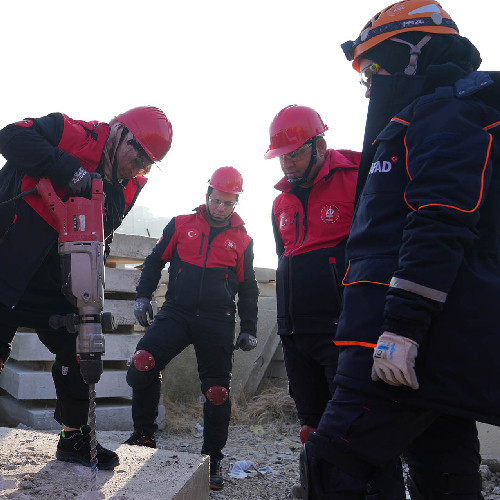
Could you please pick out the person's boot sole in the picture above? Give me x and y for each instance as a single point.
(215, 487)
(63, 457)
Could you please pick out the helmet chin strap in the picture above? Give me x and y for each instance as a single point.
(218, 219)
(114, 169)
(415, 51)
(297, 181)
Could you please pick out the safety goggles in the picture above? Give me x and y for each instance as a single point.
(367, 73)
(218, 203)
(142, 161)
(295, 155)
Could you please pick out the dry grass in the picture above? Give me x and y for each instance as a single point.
(181, 418)
(272, 405)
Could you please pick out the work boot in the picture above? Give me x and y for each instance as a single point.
(216, 480)
(141, 438)
(74, 446)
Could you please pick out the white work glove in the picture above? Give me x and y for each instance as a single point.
(394, 360)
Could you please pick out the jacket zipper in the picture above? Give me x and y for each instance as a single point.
(205, 266)
(203, 270)
(202, 240)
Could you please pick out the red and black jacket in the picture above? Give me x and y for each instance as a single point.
(54, 146)
(208, 267)
(310, 240)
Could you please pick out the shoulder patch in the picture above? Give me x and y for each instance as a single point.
(230, 244)
(24, 123)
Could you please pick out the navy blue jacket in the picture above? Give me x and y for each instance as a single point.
(424, 253)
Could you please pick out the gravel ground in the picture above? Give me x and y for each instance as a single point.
(264, 445)
(275, 445)
(264, 432)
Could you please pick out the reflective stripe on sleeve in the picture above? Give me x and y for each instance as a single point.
(424, 291)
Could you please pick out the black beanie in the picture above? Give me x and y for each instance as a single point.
(394, 57)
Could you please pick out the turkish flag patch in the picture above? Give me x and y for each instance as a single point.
(24, 123)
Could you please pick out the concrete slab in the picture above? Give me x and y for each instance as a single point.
(112, 414)
(126, 280)
(27, 347)
(25, 382)
(489, 438)
(128, 248)
(30, 470)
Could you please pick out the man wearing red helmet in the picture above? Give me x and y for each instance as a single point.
(311, 220)
(66, 151)
(418, 332)
(211, 260)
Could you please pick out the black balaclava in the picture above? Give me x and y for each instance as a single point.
(443, 60)
(440, 49)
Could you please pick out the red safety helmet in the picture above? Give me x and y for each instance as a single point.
(409, 15)
(150, 127)
(227, 179)
(292, 127)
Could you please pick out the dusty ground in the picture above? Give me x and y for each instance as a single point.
(279, 451)
(277, 445)
(264, 432)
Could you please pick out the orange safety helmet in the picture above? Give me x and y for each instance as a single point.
(150, 127)
(292, 127)
(227, 179)
(409, 15)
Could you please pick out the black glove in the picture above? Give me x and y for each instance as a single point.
(246, 342)
(143, 309)
(81, 183)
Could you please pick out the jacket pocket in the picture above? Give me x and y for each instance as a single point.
(377, 270)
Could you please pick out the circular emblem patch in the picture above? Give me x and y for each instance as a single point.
(230, 245)
(192, 233)
(330, 214)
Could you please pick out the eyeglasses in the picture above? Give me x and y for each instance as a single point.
(225, 204)
(367, 73)
(294, 155)
(142, 161)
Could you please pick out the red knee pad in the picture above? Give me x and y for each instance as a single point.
(217, 394)
(144, 361)
(304, 432)
(1, 365)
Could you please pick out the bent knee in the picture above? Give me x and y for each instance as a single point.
(217, 395)
(141, 370)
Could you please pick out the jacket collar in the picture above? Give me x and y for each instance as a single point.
(341, 158)
(234, 221)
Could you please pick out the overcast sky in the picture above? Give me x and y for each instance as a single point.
(220, 70)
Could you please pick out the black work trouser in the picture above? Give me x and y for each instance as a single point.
(212, 337)
(33, 311)
(364, 432)
(311, 364)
